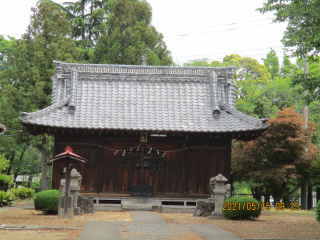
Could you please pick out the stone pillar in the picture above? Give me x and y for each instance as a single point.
(219, 192)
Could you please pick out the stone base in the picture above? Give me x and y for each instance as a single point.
(86, 204)
(61, 213)
(61, 207)
(217, 217)
(204, 208)
(216, 214)
(77, 211)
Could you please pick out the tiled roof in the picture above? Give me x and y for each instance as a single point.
(143, 98)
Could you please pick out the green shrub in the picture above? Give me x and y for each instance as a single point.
(242, 208)
(5, 181)
(47, 201)
(318, 212)
(22, 193)
(6, 198)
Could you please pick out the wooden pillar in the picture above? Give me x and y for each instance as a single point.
(185, 168)
(99, 188)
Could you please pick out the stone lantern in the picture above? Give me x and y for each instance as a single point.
(75, 180)
(219, 193)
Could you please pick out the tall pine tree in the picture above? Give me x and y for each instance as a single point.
(88, 20)
(130, 38)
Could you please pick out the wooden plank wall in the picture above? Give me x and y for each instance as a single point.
(185, 172)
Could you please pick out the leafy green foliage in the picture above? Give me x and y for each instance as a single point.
(6, 47)
(88, 20)
(22, 193)
(240, 208)
(287, 68)
(318, 212)
(130, 38)
(47, 201)
(6, 198)
(310, 82)
(204, 62)
(27, 85)
(4, 163)
(272, 64)
(303, 19)
(5, 181)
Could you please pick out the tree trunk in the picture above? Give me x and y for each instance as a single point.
(266, 198)
(310, 197)
(256, 193)
(30, 181)
(11, 162)
(303, 195)
(44, 180)
(17, 172)
(82, 7)
(277, 198)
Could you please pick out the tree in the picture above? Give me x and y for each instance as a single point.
(303, 19)
(26, 86)
(272, 64)
(130, 38)
(287, 68)
(279, 156)
(88, 20)
(5, 50)
(204, 62)
(310, 83)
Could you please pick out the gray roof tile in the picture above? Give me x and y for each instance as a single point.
(123, 97)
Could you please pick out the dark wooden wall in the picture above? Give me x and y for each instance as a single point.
(184, 172)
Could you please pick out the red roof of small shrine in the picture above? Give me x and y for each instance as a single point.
(68, 154)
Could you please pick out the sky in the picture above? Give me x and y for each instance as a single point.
(192, 29)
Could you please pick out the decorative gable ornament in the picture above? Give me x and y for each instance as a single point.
(143, 137)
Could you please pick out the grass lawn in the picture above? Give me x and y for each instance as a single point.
(271, 224)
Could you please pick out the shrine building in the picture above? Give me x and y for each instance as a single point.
(166, 127)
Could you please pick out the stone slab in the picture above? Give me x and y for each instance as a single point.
(141, 207)
(72, 228)
(52, 227)
(31, 227)
(4, 209)
(14, 226)
(217, 217)
(212, 232)
(2, 226)
(13, 229)
(100, 231)
(178, 210)
(27, 206)
(105, 208)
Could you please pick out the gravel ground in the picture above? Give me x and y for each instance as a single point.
(149, 225)
(152, 231)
